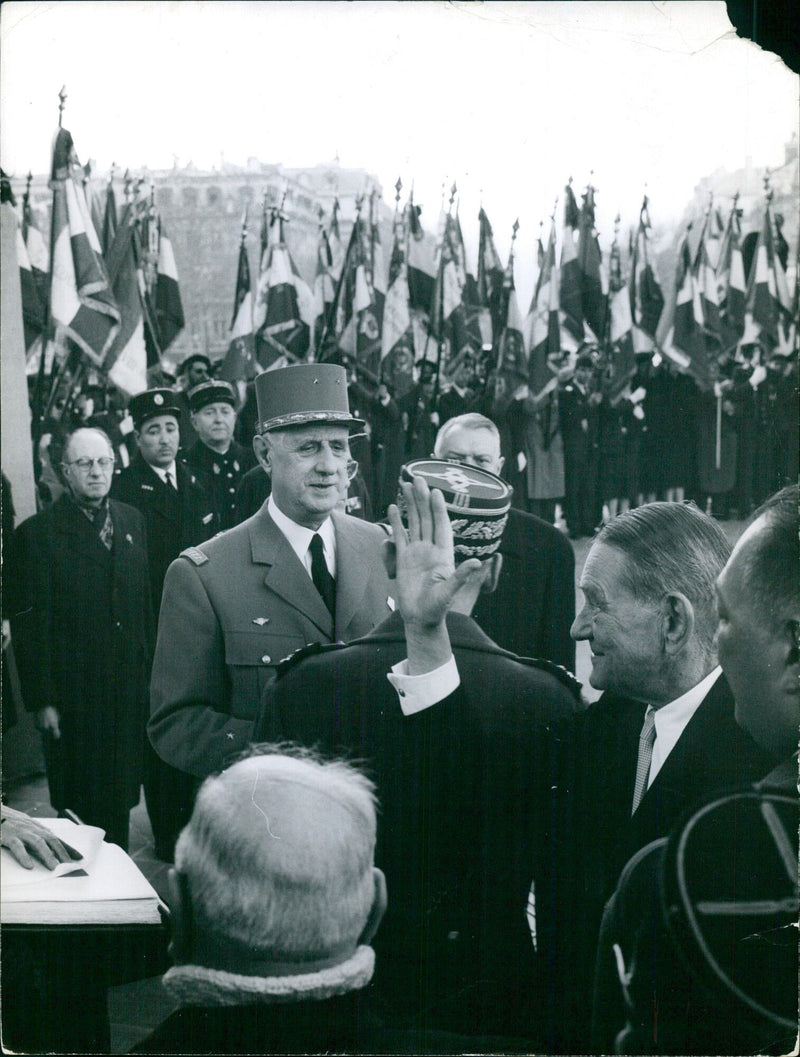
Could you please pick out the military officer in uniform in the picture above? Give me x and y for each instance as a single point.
(297, 572)
(178, 511)
(215, 452)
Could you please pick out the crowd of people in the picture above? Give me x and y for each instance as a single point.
(179, 622)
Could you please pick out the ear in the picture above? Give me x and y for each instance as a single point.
(678, 621)
(180, 915)
(261, 448)
(790, 653)
(378, 908)
(495, 564)
(500, 464)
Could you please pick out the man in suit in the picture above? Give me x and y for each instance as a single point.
(215, 454)
(533, 606)
(663, 734)
(296, 572)
(82, 625)
(179, 513)
(469, 788)
(734, 851)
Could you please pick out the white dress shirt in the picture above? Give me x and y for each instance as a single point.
(299, 537)
(162, 471)
(671, 720)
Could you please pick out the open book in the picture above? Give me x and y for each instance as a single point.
(104, 887)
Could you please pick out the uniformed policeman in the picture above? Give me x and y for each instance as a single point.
(215, 452)
(178, 509)
(297, 572)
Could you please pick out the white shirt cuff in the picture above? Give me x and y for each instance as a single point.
(417, 692)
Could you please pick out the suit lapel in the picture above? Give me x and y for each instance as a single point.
(352, 573)
(286, 575)
(161, 501)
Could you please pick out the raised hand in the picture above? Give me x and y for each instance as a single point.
(421, 558)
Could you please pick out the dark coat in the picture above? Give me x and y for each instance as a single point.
(343, 1024)
(232, 609)
(83, 629)
(468, 791)
(712, 753)
(532, 609)
(175, 519)
(224, 474)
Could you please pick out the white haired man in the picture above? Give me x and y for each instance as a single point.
(702, 926)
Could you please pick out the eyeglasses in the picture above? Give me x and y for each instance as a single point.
(105, 462)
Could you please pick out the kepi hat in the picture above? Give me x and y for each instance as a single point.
(477, 503)
(151, 404)
(302, 394)
(212, 392)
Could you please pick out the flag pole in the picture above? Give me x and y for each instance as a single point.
(42, 407)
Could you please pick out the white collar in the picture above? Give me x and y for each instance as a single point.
(299, 537)
(162, 471)
(672, 719)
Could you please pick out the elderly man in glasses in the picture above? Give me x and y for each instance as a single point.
(299, 571)
(81, 621)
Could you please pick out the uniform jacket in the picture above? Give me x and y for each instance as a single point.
(82, 629)
(223, 473)
(231, 610)
(175, 519)
(467, 790)
(533, 607)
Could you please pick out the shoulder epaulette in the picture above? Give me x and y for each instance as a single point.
(564, 675)
(195, 555)
(309, 650)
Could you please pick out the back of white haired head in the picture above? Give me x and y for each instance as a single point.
(278, 854)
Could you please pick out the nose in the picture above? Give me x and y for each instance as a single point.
(581, 626)
(326, 461)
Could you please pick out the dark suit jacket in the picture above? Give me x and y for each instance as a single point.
(533, 608)
(712, 753)
(175, 519)
(468, 793)
(232, 609)
(82, 628)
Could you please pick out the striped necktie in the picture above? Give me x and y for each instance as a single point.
(646, 741)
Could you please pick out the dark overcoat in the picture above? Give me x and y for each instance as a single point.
(533, 607)
(175, 519)
(468, 792)
(82, 628)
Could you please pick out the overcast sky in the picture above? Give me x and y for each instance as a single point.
(508, 99)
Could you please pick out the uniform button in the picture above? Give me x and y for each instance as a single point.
(119, 623)
(265, 659)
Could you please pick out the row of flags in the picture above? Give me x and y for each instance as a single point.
(108, 287)
(104, 293)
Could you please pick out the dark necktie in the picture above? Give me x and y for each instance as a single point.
(169, 481)
(323, 581)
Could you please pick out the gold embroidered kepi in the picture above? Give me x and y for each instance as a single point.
(301, 394)
(477, 503)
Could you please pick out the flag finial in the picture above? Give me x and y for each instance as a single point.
(62, 99)
(398, 188)
(514, 231)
